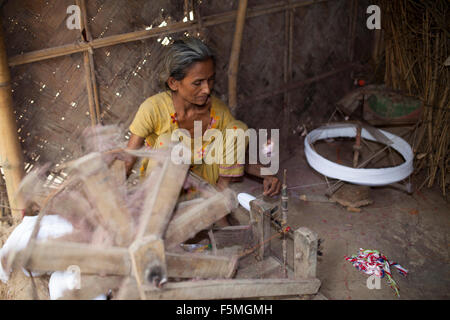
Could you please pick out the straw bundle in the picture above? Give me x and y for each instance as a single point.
(417, 37)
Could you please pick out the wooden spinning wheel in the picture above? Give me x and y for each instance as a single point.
(141, 258)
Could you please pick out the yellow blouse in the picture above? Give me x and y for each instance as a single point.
(156, 119)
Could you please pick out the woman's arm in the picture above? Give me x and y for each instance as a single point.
(134, 143)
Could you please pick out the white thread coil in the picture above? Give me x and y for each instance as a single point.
(368, 177)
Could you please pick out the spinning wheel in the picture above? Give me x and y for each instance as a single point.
(127, 240)
(352, 106)
(110, 243)
(359, 175)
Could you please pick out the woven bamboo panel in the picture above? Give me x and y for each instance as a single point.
(115, 17)
(207, 9)
(37, 24)
(51, 108)
(261, 71)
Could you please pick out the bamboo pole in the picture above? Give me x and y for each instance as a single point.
(291, 44)
(284, 219)
(11, 159)
(286, 52)
(186, 7)
(198, 16)
(89, 68)
(89, 89)
(288, 36)
(233, 66)
(377, 46)
(68, 49)
(352, 31)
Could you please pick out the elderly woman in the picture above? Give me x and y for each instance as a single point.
(188, 75)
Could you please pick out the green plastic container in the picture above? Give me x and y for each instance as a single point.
(393, 106)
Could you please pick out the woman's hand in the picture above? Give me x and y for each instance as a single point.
(272, 186)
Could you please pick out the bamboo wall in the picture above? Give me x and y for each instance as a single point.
(64, 81)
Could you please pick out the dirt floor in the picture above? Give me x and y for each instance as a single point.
(411, 230)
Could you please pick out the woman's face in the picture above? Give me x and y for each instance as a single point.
(197, 85)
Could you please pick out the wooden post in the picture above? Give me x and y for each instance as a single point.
(352, 29)
(148, 261)
(234, 57)
(147, 251)
(284, 218)
(260, 219)
(89, 68)
(305, 253)
(90, 92)
(377, 48)
(288, 39)
(357, 146)
(11, 159)
(197, 16)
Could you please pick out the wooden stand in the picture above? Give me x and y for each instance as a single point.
(260, 220)
(305, 244)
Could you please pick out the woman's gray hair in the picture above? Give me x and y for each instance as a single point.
(180, 56)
